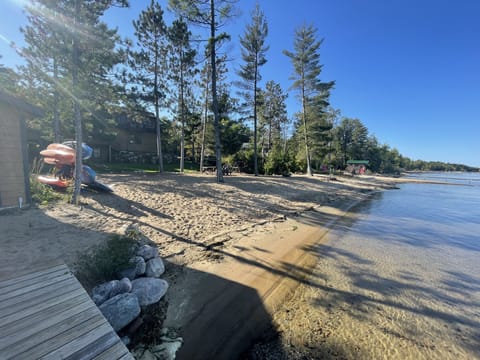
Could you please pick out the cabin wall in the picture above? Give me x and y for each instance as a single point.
(13, 184)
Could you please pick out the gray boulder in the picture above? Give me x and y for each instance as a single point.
(105, 291)
(130, 273)
(101, 293)
(124, 286)
(138, 268)
(140, 265)
(120, 310)
(155, 267)
(147, 252)
(149, 290)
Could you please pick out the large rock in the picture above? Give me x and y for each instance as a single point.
(120, 310)
(138, 268)
(149, 290)
(140, 265)
(155, 267)
(105, 291)
(147, 252)
(130, 273)
(101, 293)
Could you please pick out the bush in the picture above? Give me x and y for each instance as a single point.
(278, 162)
(104, 261)
(43, 194)
(244, 160)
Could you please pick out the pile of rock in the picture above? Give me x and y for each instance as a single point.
(120, 301)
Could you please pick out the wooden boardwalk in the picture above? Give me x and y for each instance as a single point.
(48, 315)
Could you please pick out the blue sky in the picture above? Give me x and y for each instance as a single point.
(408, 69)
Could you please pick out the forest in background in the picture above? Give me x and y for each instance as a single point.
(84, 75)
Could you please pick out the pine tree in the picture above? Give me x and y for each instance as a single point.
(273, 115)
(210, 13)
(149, 65)
(70, 54)
(307, 68)
(253, 54)
(182, 70)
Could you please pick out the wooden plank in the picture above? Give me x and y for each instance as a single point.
(47, 314)
(40, 283)
(96, 347)
(128, 356)
(36, 274)
(24, 338)
(53, 343)
(117, 351)
(48, 307)
(81, 337)
(39, 295)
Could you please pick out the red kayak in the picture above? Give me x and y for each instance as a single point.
(53, 181)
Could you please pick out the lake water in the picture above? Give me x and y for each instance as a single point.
(397, 278)
(402, 279)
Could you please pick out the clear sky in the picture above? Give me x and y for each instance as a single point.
(408, 69)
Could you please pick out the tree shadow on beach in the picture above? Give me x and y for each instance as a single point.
(218, 318)
(451, 305)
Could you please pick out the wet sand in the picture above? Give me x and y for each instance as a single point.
(373, 295)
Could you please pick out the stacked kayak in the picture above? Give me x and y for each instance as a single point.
(62, 157)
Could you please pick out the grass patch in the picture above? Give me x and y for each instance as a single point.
(103, 262)
(145, 168)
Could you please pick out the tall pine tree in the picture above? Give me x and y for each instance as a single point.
(210, 13)
(149, 65)
(253, 55)
(182, 70)
(306, 78)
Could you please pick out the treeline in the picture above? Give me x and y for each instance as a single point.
(83, 75)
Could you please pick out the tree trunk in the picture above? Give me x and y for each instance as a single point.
(182, 116)
(216, 115)
(157, 116)
(56, 120)
(305, 133)
(204, 129)
(255, 155)
(76, 109)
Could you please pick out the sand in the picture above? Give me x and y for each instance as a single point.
(182, 214)
(242, 238)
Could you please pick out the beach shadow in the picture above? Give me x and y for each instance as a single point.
(218, 318)
(125, 206)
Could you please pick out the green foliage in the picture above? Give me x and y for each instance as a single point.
(103, 262)
(277, 162)
(49, 66)
(44, 194)
(273, 116)
(313, 93)
(253, 54)
(244, 159)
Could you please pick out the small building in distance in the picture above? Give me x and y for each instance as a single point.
(357, 167)
(14, 181)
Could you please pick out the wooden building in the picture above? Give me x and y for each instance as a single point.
(14, 167)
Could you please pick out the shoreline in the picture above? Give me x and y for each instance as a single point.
(385, 288)
(262, 270)
(248, 238)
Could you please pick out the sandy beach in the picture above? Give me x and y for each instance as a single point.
(247, 233)
(182, 214)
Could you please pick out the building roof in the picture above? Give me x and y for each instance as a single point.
(20, 104)
(357, 162)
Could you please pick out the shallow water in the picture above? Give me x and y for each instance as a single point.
(398, 280)
(403, 279)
